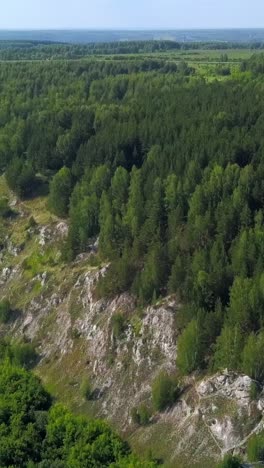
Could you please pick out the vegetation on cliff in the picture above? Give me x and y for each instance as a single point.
(165, 167)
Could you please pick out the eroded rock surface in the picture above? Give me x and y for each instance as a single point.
(58, 310)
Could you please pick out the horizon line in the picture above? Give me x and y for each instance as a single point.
(134, 29)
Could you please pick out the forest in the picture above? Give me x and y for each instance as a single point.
(48, 50)
(164, 166)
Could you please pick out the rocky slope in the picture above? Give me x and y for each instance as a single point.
(56, 309)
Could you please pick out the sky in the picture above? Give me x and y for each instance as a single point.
(131, 14)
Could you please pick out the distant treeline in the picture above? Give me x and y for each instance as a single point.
(83, 36)
(5, 44)
(38, 50)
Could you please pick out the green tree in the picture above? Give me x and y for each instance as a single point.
(229, 347)
(135, 208)
(165, 391)
(154, 274)
(107, 226)
(253, 358)
(119, 190)
(177, 276)
(190, 352)
(118, 278)
(21, 177)
(22, 400)
(35, 433)
(60, 191)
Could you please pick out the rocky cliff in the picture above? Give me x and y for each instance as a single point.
(56, 308)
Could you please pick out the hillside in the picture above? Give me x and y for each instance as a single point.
(56, 309)
(131, 243)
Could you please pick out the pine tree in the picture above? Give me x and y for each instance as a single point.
(119, 190)
(190, 348)
(107, 227)
(135, 208)
(60, 191)
(253, 357)
(229, 347)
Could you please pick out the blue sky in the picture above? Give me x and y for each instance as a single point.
(124, 14)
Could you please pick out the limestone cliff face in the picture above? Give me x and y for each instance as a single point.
(57, 309)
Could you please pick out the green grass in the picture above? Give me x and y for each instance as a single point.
(65, 386)
(159, 441)
(37, 207)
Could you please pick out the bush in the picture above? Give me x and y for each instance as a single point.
(24, 355)
(5, 209)
(118, 325)
(32, 223)
(86, 388)
(165, 391)
(141, 415)
(255, 449)
(230, 462)
(21, 178)
(223, 71)
(135, 416)
(118, 278)
(255, 390)
(5, 310)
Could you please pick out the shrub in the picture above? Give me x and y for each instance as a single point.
(135, 416)
(255, 390)
(223, 71)
(86, 388)
(32, 223)
(5, 209)
(119, 325)
(5, 310)
(21, 178)
(255, 449)
(230, 462)
(165, 391)
(24, 355)
(118, 278)
(141, 415)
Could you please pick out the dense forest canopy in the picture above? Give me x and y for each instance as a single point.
(167, 169)
(40, 50)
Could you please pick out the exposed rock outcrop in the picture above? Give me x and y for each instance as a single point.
(73, 330)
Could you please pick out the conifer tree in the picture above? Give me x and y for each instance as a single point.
(60, 191)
